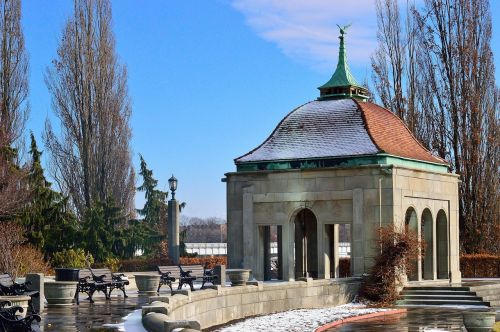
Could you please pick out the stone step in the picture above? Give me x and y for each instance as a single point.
(435, 292)
(441, 297)
(405, 302)
(438, 288)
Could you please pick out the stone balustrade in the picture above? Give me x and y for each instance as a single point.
(220, 305)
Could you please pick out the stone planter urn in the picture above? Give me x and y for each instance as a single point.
(17, 301)
(238, 277)
(147, 283)
(479, 321)
(60, 292)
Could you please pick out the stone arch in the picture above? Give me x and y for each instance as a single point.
(427, 232)
(305, 243)
(442, 238)
(412, 224)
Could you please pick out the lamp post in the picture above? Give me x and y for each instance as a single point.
(173, 222)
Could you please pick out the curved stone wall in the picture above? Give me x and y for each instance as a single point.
(221, 305)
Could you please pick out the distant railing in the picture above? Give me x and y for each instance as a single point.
(211, 249)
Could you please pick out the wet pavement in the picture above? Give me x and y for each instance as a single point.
(92, 317)
(418, 320)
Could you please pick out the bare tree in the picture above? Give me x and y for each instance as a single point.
(450, 102)
(12, 189)
(91, 159)
(14, 69)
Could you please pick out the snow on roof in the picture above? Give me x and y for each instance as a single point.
(318, 129)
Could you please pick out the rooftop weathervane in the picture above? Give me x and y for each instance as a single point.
(343, 29)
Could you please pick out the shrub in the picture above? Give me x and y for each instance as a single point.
(113, 264)
(142, 264)
(211, 261)
(72, 258)
(30, 259)
(16, 257)
(397, 250)
(149, 264)
(480, 266)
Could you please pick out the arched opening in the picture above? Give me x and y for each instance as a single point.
(306, 245)
(442, 245)
(427, 248)
(411, 224)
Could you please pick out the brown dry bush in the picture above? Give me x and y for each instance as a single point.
(397, 251)
(480, 266)
(16, 257)
(141, 264)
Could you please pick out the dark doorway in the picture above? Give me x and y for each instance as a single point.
(306, 245)
(273, 252)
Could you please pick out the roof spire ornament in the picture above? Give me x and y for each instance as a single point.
(342, 84)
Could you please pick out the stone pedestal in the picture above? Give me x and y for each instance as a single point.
(220, 272)
(173, 230)
(37, 284)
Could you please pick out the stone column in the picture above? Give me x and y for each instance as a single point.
(290, 253)
(173, 230)
(327, 252)
(453, 244)
(357, 234)
(249, 243)
(220, 272)
(336, 255)
(37, 284)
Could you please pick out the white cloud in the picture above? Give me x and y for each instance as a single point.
(306, 30)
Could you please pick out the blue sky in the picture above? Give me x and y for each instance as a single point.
(209, 80)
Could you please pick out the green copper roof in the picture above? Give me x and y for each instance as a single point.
(342, 75)
(340, 84)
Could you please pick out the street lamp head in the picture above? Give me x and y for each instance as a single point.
(172, 183)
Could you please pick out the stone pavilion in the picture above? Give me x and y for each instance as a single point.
(339, 162)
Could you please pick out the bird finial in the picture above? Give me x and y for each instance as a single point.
(343, 29)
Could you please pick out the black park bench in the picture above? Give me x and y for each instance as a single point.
(9, 287)
(186, 275)
(99, 280)
(10, 320)
(168, 274)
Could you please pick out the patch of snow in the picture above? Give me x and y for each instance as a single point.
(300, 319)
(132, 323)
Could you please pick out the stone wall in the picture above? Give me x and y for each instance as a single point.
(221, 305)
(364, 197)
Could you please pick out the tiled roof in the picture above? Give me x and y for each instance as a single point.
(392, 136)
(338, 128)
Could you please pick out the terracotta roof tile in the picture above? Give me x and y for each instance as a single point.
(392, 136)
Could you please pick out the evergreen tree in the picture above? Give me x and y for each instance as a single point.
(107, 233)
(49, 223)
(154, 211)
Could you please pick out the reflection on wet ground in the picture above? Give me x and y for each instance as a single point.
(98, 316)
(91, 317)
(415, 320)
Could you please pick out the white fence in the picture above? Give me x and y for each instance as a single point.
(210, 249)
